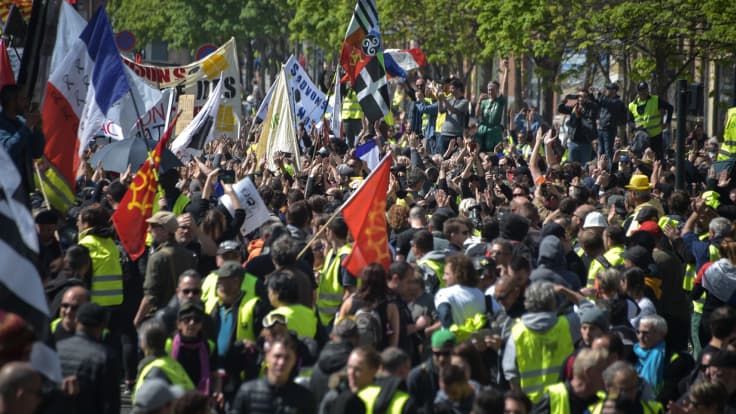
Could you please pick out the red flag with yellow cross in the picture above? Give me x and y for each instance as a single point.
(137, 205)
(365, 215)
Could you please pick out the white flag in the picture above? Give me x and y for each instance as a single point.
(199, 131)
(69, 28)
(256, 212)
(278, 132)
(336, 120)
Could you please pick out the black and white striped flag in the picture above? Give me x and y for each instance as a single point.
(21, 291)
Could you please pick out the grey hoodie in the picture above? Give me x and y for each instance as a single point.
(551, 262)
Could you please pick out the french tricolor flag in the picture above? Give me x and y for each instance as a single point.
(369, 153)
(89, 82)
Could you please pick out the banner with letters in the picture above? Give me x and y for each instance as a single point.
(256, 212)
(199, 79)
(310, 103)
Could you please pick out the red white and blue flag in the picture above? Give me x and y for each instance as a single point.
(86, 87)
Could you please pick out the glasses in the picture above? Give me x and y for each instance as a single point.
(69, 306)
(272, 319)
(194, 292)
(190, 319)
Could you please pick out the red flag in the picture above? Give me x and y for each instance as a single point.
(7, 77)
(137, 204)
(365, 215)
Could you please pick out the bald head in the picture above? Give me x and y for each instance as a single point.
(20, 388)
(73, 298)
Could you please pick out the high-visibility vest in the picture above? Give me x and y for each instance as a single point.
(634, 224)
(429, 264)
(60, 196)
(173, 370)
(370, 394)
(179, 205)
(727, 150)
(540, 356)
(244, 324)
(647, 407)
(330, 291)
(299, 319)
(425, 116)
(107, 274)
(209, 290)
(559, 400)
(690, 274)
(613, 256)
(651, 118)
(351, 107)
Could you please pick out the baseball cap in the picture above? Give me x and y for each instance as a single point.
(639, 256)
(443, 338)
(642, 86)
(190, 308)
(346, 329)
(228, 246)
(612, 86)
(91, 314)
(344, 169)
(230, 269)
(165, 219)
(153, 394)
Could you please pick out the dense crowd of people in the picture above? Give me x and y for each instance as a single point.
(535, 268)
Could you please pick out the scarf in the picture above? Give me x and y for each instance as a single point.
(204, 360)
(650, 365)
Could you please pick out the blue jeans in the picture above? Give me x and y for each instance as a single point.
(605, 142)
(581, 152)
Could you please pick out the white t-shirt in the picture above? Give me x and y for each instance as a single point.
(465, 302)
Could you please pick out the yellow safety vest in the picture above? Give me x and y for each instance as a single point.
(351, 107)
(540, 356)
(179, 205)
(634, 225)
(613, 255)
(107, 274)
(436, 266)
(727, 150)
(173, 370)
(425, 116)
(370, 394)
(330, 291)
(651, 118)
(299, 319)
(647, 407)
(559, 401)
(55, 188)
(244, 324)
(209, 290)
(474, 324)
(691, 273)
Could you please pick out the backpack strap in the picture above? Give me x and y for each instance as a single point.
(603, 261)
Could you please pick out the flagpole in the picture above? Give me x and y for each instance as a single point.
(139, 122)
(40, 184)
(324, 111)
(339, 210)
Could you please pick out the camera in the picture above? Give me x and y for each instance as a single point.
(227, 176)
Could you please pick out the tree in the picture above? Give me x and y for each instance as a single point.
(538, 29)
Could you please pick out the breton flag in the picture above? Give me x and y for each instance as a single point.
(199, 132)
(137, 204)
(278, 133)
(368, 152)
(365, 215)
(21, 291)
(81, 92)
(362, 59)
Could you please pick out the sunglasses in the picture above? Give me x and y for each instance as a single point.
(190, 319)
(192, 291)
(69, 306)
(272, 319)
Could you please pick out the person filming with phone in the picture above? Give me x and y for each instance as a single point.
(20, 132)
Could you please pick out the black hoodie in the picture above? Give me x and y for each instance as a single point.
(333, 358)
